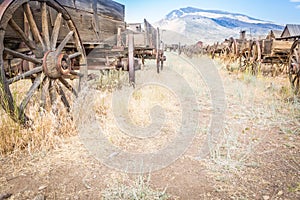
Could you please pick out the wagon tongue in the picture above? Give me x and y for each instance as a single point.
(56, 65)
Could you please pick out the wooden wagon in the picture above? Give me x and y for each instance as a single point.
(274, 52)
(48, 46)
(147, 43)
(281, 53)
(237, 50)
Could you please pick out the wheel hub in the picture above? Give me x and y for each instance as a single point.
(56, 65)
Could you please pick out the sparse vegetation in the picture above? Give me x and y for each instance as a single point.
(257, 156)
(139, 189)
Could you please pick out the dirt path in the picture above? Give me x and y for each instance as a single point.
(248, 125)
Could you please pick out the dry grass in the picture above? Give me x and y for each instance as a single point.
(257, 107)
(138, 189)
(46, 132)
(270, 107)
(140, 105)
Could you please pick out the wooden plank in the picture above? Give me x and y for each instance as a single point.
(279, 46)
(110, 18)
(108, 28)
(266, 46)
(150, 38)
(105, 8)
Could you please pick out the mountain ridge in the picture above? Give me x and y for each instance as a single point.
(211, 26)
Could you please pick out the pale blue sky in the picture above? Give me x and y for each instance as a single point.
(278, 11)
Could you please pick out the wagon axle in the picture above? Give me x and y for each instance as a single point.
(55, 66)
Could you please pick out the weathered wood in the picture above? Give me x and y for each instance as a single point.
(45, 25)
(266, 47)
(23, 56)
(33, 27)
(68, 86)
(55, 31)
(93, 28)
(131, 59)
(84, 22)
(29, 94)
(25, 75)
(281, 46)
(150, 34)
(105, 8)
(23, 36)
(64, 42)
(96, 20)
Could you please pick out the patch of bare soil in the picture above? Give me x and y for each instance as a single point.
(257, 155)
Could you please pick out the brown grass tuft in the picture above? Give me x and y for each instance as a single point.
(46, 132)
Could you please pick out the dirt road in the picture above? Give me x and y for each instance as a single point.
(194, 131)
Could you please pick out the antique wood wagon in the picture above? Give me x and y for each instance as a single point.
(274, 52)
(282, 54)
(147, 43)
(236, 50)
(48, 46)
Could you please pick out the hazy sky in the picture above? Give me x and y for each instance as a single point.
(278, 11)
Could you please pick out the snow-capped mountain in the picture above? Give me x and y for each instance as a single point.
(210, 26)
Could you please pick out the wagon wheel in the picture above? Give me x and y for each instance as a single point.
(162, 61)
(233, 49)
(255, 57)
(37, 55)
(162, 56)
(157, 49)
(225, 53)
(157, 61)
(244, 59)
(294, 66)
(131, 69)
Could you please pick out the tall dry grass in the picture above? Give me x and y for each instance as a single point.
(46, 132)
(258, 106)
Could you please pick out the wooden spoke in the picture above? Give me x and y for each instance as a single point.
(296, 53)
(74, 55)
(64, 42)
(295, 62)
(52, 91)
(294, 67)
(294, 79)
(68, 86)
(55, 31)
(23, 56)
(25, 75)
(45, 85)
(76, 36)
(33, 88)
(76, 73)
(21, 33)
(63, 97)
(33, 27)
(131, 59)
(79, 47)
(45, 25)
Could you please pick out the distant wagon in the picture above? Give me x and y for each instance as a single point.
(283, 51)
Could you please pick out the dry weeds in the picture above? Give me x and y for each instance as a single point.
(257, 158)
